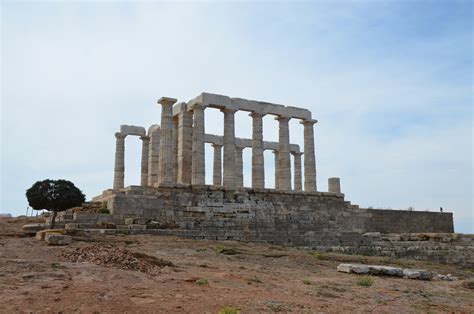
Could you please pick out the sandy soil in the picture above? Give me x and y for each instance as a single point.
(35, 277)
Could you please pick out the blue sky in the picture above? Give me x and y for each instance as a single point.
(391, 83)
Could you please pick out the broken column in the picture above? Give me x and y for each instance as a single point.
(297, 170)
(229, 149)
(165, 175)
(334, 185)
(284, 162)
(144, 161)
(198, 165)
(309, 159)
(119, 169)
(258, 166)
(217, 165)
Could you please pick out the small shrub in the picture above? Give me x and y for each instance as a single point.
(318, 255)
(253, 280)
(227, 251)
(468, 284)
(307, 281)
(229, 310)
(201, 282)
(365, 281)
(104, 211)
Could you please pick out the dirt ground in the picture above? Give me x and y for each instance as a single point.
(207, 277)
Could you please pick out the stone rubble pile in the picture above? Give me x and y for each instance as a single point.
(379, 270)
(109, 256)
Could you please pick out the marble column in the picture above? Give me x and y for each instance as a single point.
(119, 169)
(334, 185)
(229, 149)
(165, 175)
(297, 170)
(217, 165)
(277, 171)
(185, 140)
(309, 159)
(198, 165)
(175, 149)
(284, 162)
(239, 167)
(153, 155)
(144, 164)
(258, 164)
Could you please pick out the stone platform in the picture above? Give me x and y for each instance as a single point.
(266, 215)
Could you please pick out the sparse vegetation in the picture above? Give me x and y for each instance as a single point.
(229, 310)
(306, 281)
(468, 284)
(318, 255)
(201, 282)
(365, 281)
(225, 250)
(253, 280)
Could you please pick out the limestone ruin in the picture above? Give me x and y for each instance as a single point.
(173, 190)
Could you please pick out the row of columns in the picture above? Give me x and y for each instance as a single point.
(186, 131)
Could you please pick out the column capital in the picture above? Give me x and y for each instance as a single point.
(309, 122)
(197, 106)
(145, 138)
(275, 151)
(167, 101)
(216, 145)
(120, 135)
(255, 114)
(296, 153)
(228, 110)
(239, 148)
(282, 118)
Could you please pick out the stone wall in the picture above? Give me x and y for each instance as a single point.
(285, 218)
(398, 221)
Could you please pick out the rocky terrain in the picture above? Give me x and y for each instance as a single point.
(151, 274)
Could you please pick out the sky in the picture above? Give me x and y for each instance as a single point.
(391, 83)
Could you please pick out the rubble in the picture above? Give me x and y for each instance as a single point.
(109, 256)
(421, 274)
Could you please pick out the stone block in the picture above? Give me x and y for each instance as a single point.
(57, 239)
(40, 235)
(129, 221)
(137, 227)
(353, 268)
(71, 226)
(417, 274)
(385, 270)
(32, 229)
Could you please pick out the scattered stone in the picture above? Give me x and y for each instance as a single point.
(71, 226)
(447, 277)
(31, 229)
(353, 268)
(129, 221)
(372, 234)
(417, 274)
(385, 270)
(137, 227)
(41, 235)
(57, 239)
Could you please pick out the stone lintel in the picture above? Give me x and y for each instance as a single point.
(132, 130)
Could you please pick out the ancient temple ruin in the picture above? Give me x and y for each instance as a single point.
(294, 212)
(173, 153)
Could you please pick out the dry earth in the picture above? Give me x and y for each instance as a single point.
(207, 276)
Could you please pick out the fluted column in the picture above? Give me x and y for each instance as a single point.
(284, 162)
(309, 159)
(153, 155)
(258, 163)
(198, 165)
(144, 164)
(277, 171)
(175, 149)
(239, 167)
(217, 165)
(229, 149)
(166, 141)
(297, 170)
(119, 169)
(185, 140)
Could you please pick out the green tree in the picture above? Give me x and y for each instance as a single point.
(55, 196)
